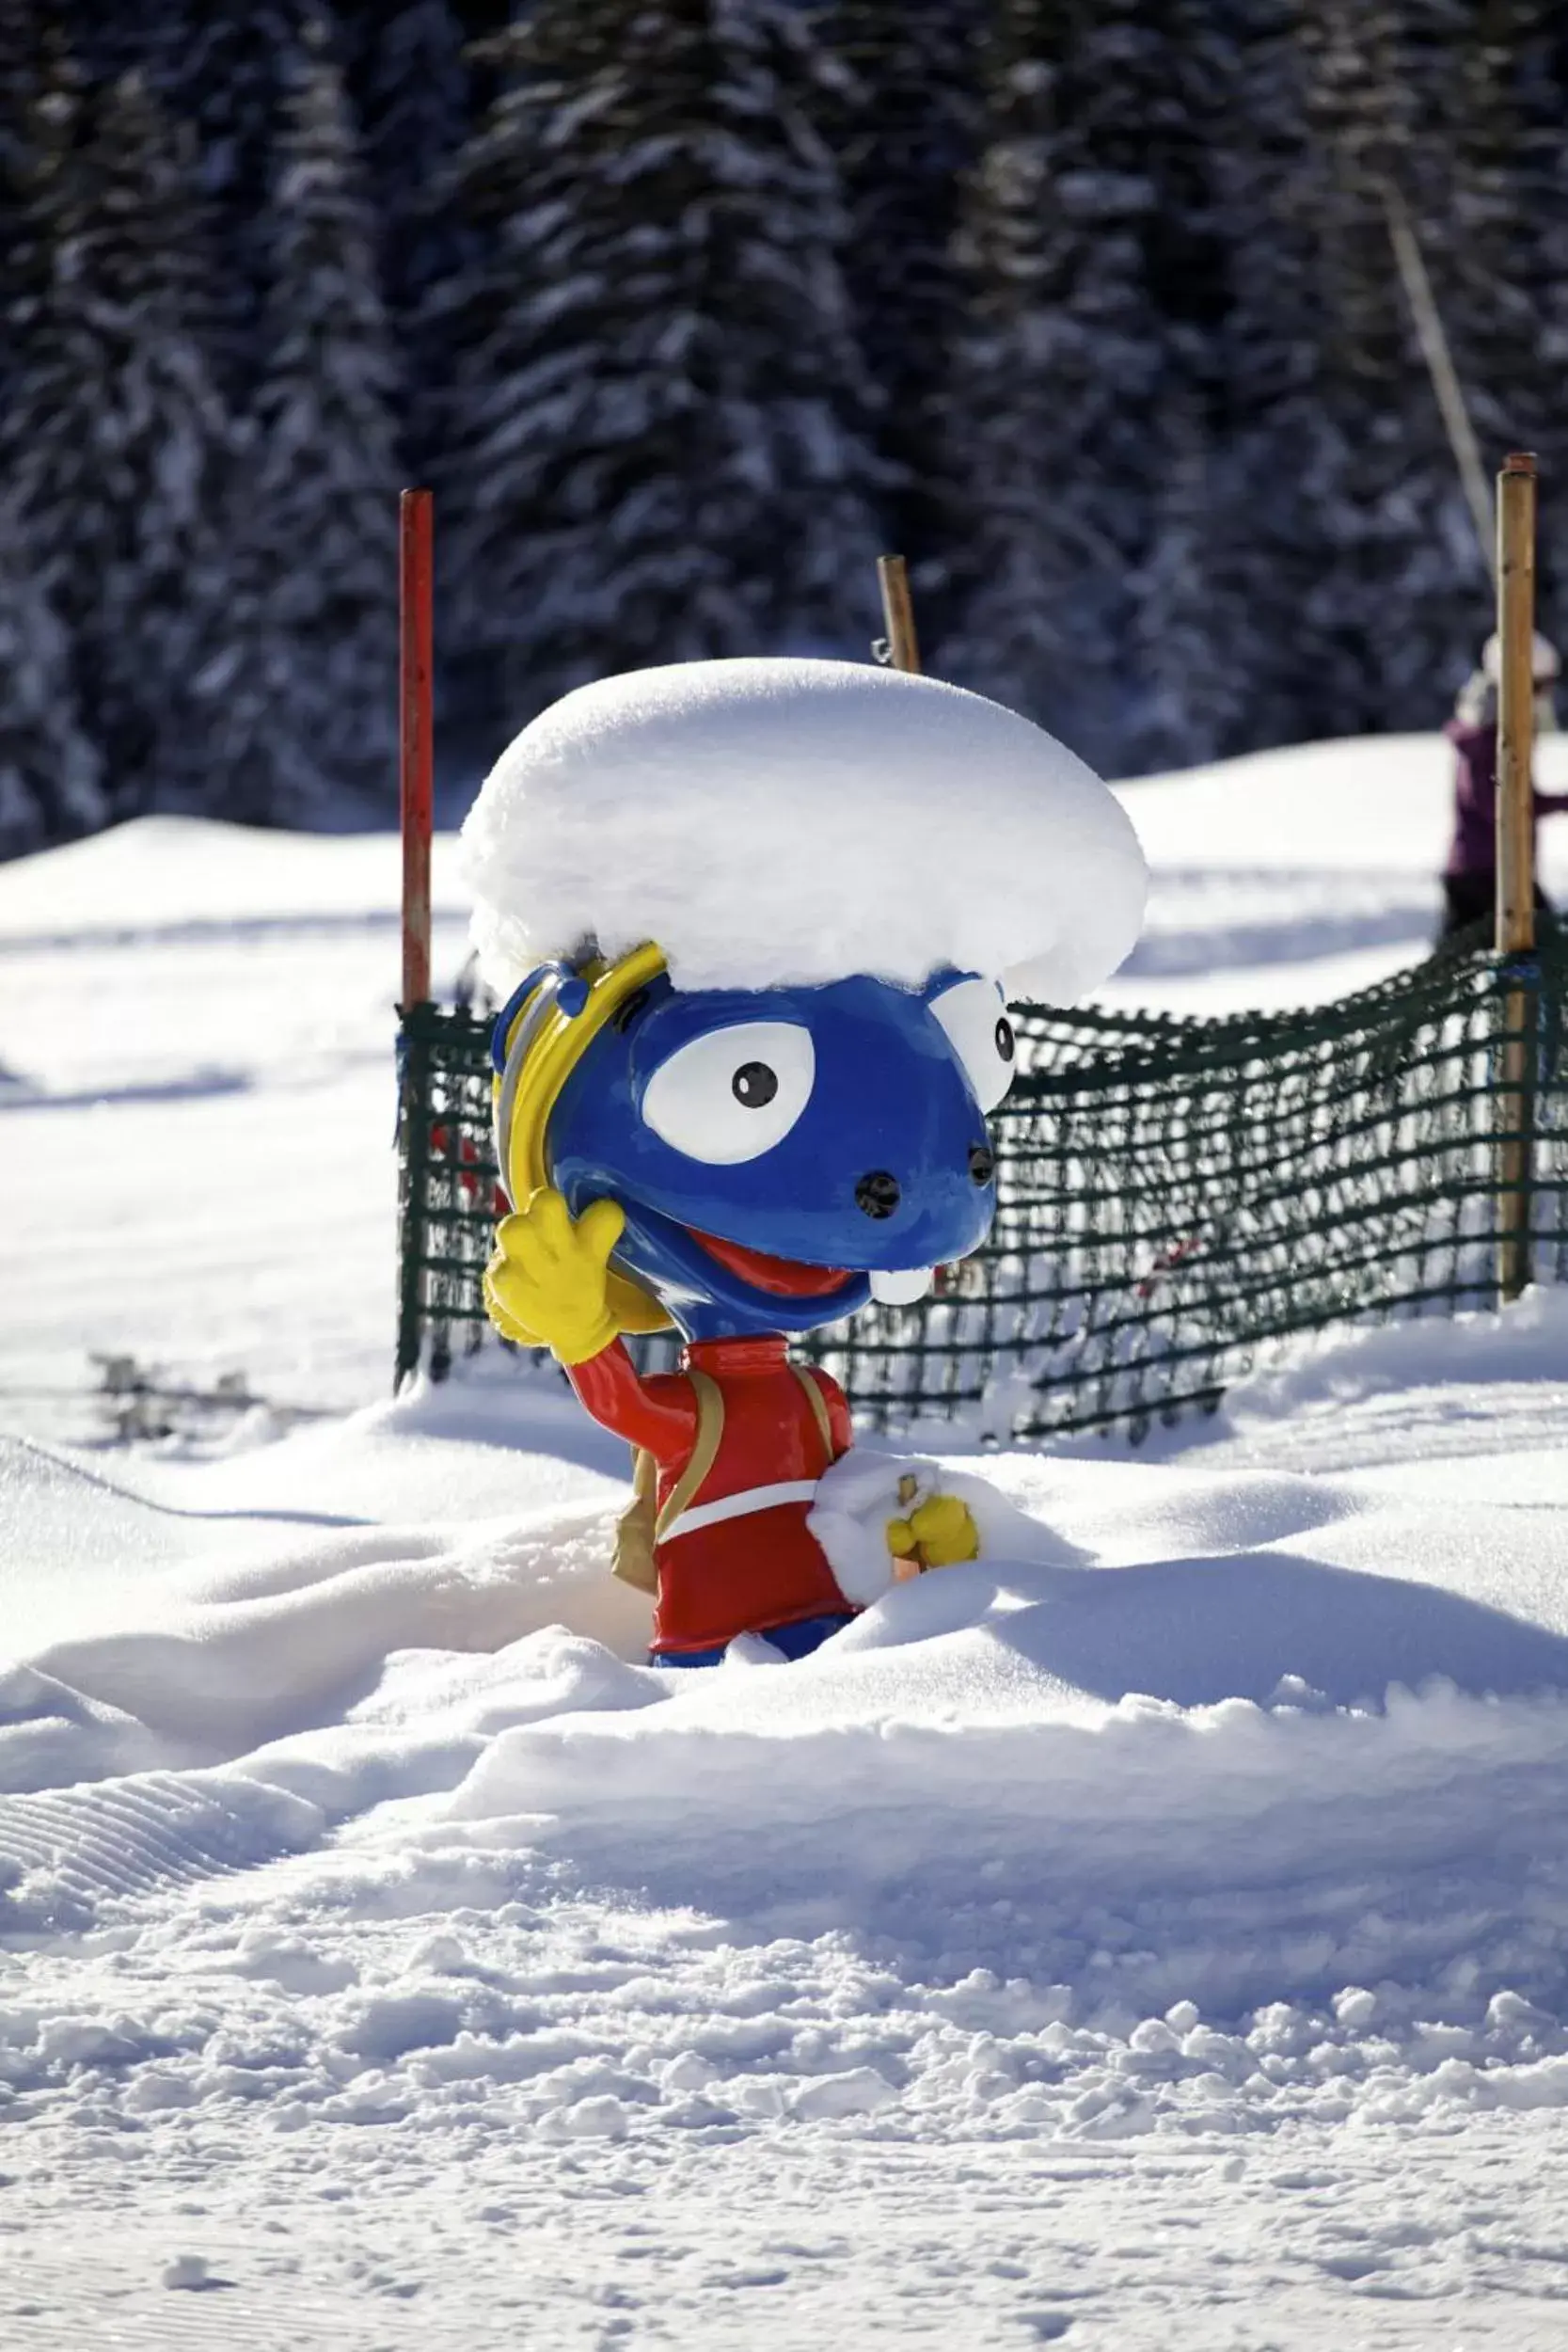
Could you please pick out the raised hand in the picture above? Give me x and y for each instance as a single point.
(547, 1283)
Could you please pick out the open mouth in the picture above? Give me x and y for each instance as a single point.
(784, 1278)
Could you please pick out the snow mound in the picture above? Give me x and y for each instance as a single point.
(774, 822)
(348, 1853)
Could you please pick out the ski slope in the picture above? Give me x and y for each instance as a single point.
(1158, 1945)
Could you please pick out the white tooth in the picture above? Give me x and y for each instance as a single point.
(902, 1288)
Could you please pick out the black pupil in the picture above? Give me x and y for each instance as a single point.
(755, 1083)
(1004, 1039)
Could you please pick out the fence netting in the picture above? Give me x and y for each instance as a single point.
(1172, 1194)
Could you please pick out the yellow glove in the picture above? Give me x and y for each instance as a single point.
(549, 1281)
(937, 1534)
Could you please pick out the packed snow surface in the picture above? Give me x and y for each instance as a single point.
(773, 821)
(1157, 1940)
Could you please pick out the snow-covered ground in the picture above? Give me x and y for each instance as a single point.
(1164, 1945)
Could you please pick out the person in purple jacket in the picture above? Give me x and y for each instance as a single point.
(1471, 876)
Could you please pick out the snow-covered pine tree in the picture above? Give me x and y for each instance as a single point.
(1412, 584)
(113, 438)
(21, 60)
(1014, 553)
(21, 73)
(1055, 376)
(662, 444)
(904, 121)
(217, 66)
(51, 785)
(1189, 695)
(297, 689)
(1281, 460)
(1501, 268)
(50, 776)
(1547, 240)
(411, 89)
(1190, 702)
(43, 116)
(1345, 558)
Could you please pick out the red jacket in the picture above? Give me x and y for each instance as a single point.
(729, 1574)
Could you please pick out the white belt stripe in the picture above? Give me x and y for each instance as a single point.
(739, 1506)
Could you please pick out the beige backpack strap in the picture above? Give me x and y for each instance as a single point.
(710, 1428)
(818, 1409)
(642, 1523)
(634, 1530)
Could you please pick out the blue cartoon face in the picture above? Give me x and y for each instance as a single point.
(782, 1156)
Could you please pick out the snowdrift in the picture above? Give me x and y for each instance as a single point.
(1168, 1770)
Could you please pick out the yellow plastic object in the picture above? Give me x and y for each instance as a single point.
(937, 1534)
(946, 1532)
(552, 1056)
(551, 1274)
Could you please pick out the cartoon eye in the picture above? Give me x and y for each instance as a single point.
(975, 1016)
(732, 1094)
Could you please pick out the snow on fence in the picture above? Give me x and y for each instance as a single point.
(1172, 1195)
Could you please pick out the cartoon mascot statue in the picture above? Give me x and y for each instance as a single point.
(756, 923)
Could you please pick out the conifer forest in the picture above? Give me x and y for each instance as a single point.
(688, 308)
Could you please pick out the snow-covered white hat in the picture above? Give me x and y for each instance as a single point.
(1545, 664)
(775, 821)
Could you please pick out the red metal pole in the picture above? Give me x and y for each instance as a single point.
(416, 733)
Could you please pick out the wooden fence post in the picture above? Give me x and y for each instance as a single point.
(1516, 923)
(903, 651)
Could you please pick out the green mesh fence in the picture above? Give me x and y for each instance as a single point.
(1171, 1195)
(448, 1196)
